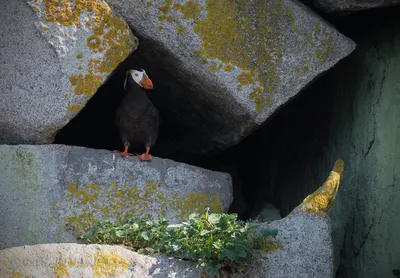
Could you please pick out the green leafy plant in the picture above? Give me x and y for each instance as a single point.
(214, 240)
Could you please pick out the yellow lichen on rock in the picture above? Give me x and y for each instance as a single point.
(86, 84)
(111, 37)
(270, 245)
(250, 35)
(108, 264)
(321, 201)
(60, 270)
(121, 202)
(74, 107)
(229, 34)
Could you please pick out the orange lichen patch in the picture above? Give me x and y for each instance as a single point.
(60, 270)
(108, 264)
(228, 68)
(86, 84)
(111, 36)
(98, 30)
(322, 199)
(94, 42)
(74, 107)
(68, 12)
(245, 78)
(36, 9)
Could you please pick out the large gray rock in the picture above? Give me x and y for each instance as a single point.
(53, 59)
(302, 248)
(238, 62)
(74, 260)
(339, 6)
(54, 193)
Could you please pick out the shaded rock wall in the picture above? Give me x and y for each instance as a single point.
(352, 112)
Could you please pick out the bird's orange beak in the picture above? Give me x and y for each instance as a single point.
(146, 83)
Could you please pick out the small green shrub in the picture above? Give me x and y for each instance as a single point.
(214, 240)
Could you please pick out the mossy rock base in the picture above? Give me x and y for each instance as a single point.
(54, 193)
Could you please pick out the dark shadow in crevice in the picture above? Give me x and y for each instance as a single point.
(189, 126)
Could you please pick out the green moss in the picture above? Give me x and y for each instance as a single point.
(124, 201)
(270, 245)
(322, 43)
(245, 78)
(25, 168)
(21, 187)
(181, 30)
(190, 10)
(323, 54)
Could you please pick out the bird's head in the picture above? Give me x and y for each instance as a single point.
(140, 77)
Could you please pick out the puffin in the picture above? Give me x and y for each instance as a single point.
(137, 118)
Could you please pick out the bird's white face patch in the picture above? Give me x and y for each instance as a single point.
(137, 75)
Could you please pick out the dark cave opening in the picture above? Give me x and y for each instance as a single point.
(296, 133)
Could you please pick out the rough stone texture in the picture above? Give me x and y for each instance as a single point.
(52, 193)
(302, 248)
(53, 59)
(339, 6)
(356, 118)
(74, 260)
(238, 62)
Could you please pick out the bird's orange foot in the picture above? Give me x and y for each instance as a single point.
(124, 153)
(145, 157)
